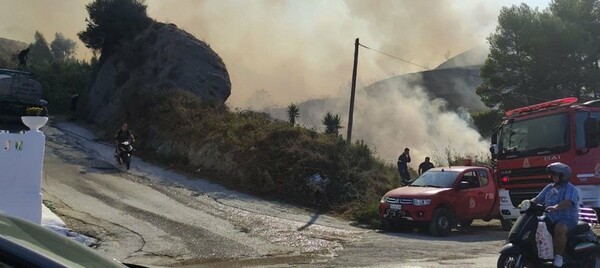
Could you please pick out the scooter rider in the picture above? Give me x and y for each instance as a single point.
(123, 134)
(561, 200)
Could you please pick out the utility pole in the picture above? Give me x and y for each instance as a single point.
(351, 113)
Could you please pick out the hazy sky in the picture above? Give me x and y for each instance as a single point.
(295, 50)
(301, 49)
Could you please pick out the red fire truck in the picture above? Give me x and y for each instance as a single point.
(532, 137)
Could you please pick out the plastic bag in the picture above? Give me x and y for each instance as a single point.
(543, 240)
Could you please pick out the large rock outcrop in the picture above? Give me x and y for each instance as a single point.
(163, 56)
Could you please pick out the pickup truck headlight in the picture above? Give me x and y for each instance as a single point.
(383, 200)
(421, 202)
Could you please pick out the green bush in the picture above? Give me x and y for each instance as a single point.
(368, 214)
(60, 80)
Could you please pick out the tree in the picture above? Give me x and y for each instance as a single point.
(537, 56)
(293, 113)
(486, 122)
(60, 80)
(111, 22)
(332, 123)
(63, 48)
(40, 51)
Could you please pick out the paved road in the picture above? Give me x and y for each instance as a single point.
(157, 217)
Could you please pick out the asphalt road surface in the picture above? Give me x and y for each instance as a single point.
(157, 217)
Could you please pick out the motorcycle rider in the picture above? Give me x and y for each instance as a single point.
(123, 134)
(561, 200)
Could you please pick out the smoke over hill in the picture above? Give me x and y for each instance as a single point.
(300, 50)
(295, 50)
(8, 51)
(428, 112)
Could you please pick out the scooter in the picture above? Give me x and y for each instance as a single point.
(125, 150)
(521, 251)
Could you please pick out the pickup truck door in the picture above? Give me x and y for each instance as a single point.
(485, 195)
(476, 201)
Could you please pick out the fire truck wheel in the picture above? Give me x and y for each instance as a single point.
(442, 222)
(506, 224)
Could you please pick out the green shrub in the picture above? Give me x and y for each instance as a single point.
(368, 214)
(60, 80)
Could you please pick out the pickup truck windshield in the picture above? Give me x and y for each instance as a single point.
(536, 136)
(439, 179)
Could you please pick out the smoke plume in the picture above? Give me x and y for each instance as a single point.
(405, 116)
(298, 50)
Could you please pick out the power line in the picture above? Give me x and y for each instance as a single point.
(392, 56)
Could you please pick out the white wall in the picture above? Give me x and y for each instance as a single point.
(21, 163)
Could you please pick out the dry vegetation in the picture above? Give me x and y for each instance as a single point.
(253, 152)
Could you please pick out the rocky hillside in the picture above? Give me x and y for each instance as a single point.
(8, 51)
(454, 81)
(471, 57)
(454, 85)
(163, 56)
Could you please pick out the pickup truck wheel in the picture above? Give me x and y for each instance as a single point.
(506, 224)
(465, 224)
(442, 222)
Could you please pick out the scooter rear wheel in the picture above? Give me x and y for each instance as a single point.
(511, 261)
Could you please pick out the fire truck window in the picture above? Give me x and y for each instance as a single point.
(579, 133)
(532, 135)
(484, 178)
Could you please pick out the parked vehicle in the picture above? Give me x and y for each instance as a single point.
(125, 151)
(521, 250)
(19, 91)
(24, 244)
(532, 137)
(441, 199)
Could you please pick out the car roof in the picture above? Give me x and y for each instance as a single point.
(35, 243)
(456, 168)
(13, 72)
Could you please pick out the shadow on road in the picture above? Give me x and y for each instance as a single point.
(312, 220)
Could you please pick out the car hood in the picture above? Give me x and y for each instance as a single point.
(40, 245)
(415, 192)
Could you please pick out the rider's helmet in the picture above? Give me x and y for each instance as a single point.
(562, 170)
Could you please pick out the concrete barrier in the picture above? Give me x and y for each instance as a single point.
(21, 164)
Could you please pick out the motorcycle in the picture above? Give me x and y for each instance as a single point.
(125, 150)
(521, 250)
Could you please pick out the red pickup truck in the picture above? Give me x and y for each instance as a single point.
(441, 199)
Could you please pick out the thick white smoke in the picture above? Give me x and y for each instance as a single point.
(300, 50)
(404, 116)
